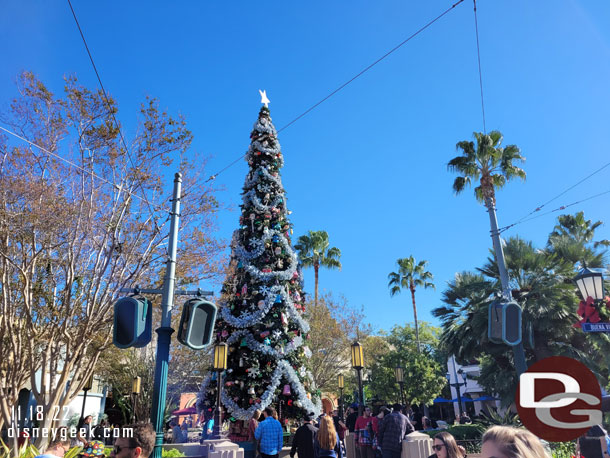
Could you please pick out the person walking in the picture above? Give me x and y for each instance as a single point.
(304, 438)
(392, 431)
(364, 442)
(327, 444)
(270, 434)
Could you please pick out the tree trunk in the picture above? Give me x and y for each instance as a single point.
(412, 288)
(316, 267)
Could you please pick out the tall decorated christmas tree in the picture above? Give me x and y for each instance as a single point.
(262, 303)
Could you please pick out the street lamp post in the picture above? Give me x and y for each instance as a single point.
(87, 387)
(358, 364)
(135, 391)
(399, 373)
(220, 364)
(341, 382)
(590, 283)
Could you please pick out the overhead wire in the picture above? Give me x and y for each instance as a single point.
(317, 104)
(563, 207)
(540, 207)
(150, 208)
(476, 27)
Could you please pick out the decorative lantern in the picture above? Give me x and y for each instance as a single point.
(357, 356)
(590, 283)
(220, 356)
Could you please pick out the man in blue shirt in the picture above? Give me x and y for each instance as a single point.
(270, 435)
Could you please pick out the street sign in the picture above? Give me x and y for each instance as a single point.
(596, 327)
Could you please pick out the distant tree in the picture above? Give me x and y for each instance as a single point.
(424, 376)
(334, 326)
(572, 239)
(410, 275)
(71, 236)
(315, 251)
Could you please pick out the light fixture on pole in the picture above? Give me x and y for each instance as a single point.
(399, 373)
(221, 351)
(457, 385)
(358, 364)
(341, 382)
(87, 387)
(590, 283)
(135, 391)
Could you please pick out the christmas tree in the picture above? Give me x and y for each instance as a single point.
(261, 306)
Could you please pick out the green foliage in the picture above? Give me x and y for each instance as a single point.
(424, 376)
(492, 418)
(541, 282)
(171, 453)
(562, 449)
(25, 451)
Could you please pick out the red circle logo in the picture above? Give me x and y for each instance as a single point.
(559, 399)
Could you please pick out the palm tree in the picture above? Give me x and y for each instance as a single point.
(314, 252)
(572, 239)
(409, 276)
(493, 166)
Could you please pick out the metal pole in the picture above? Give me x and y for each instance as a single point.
(165, 331)
(518, 352)
(218, 413)
(135, 405)
(402, 393)
(82, 412)
(360, 393)
(341, 403)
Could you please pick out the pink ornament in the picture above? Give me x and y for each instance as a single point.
(224, 333)
(286, 391)
(295, 275)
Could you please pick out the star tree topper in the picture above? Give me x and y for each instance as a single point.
(264, 98)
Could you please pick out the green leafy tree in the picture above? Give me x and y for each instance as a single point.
(424, 375)
(315, 251)
(410, 275)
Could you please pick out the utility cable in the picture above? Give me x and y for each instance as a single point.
(476, 27)
(537, 209)
(563, 207)
(314, 106)
(115, 120)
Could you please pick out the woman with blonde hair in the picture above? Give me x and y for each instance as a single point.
(327, 440)
(509, 442)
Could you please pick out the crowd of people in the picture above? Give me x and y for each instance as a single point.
(374, 436)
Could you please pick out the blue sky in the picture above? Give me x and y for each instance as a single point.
(369, 165)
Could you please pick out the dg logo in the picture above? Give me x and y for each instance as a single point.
(559, 399)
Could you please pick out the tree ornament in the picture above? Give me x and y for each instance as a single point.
(286, 390)
(251, 390)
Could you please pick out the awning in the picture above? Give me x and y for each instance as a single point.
(187, 411)
(463, 400)
(441, 400)
(486, 398)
